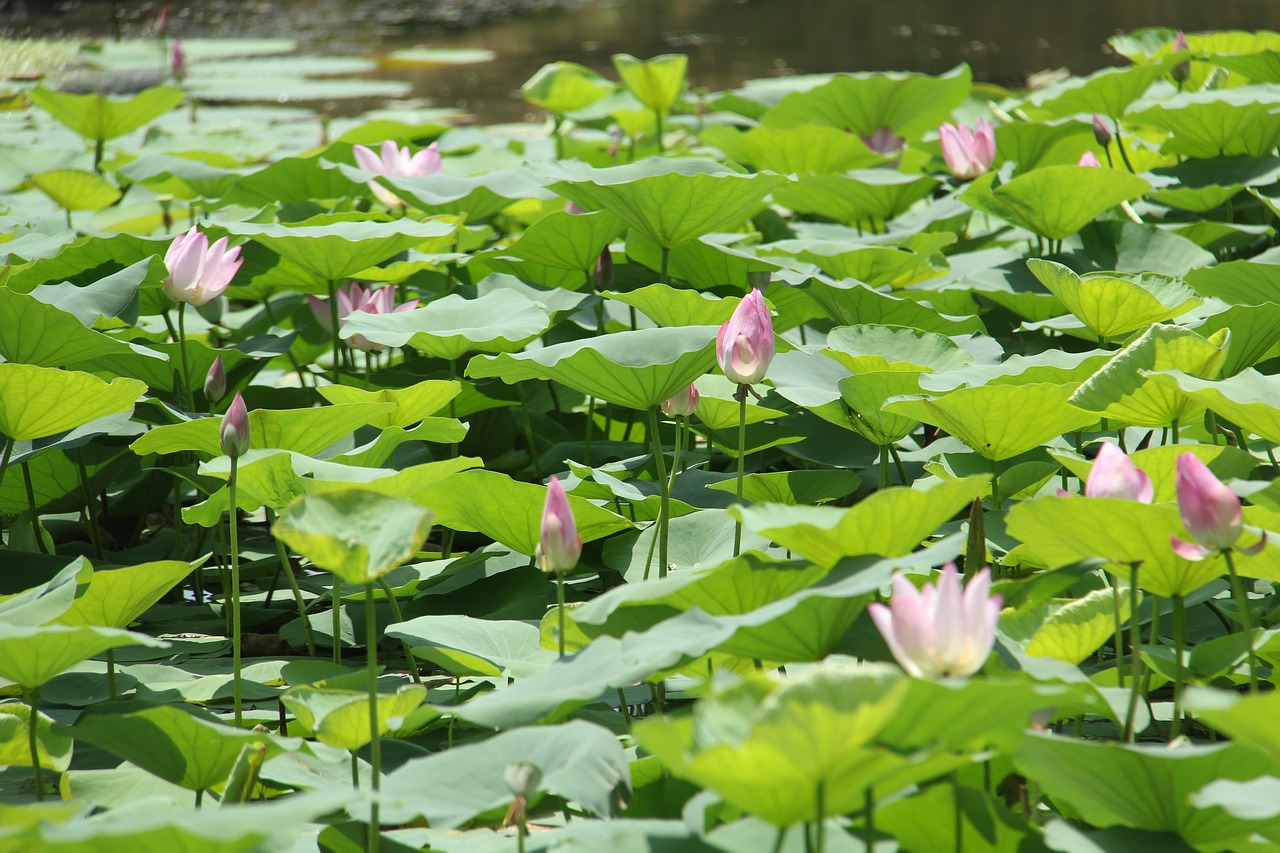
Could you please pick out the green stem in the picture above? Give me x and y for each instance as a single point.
(658, 118)
(959, 825)
(395, 614)
(235, 596)
(624, 707)
(897, 461)
(185, 395)
(333, 320)
(31, 508)
(33, 699)
(336, 594)
(820, 831)
(528, 433)
(375, 731)
(586, 438)
(1124, 155)
(666, 257)
(111, 673)
(1135, 640)
(884, 467)
(560, 608)
(4, 466)
(664, 490)
(869, 799)
(1118, 624)
(1179, 644)
(91, 514)
(742, 444)
(995, 485)
(293, 586)
(1246, 619)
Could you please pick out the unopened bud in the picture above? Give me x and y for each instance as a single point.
(603, 279)
(682, 404)
(1101, 132)
(522, 777)
(215, 384)
(234, 435)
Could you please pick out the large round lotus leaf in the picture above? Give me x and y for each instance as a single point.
(1112, 305)
(462, 645)
(638, 369)
(1247, 399)
(53, 747)
(562, 87)
(1107, 92)
(300, 430)
(36, 402)
(35, 332)
(450, 327)
(1056, 201)
(802, 150)
(76, 189)
(98, 117)
(477, 198)
(116, 597)
(1217, 122)
(656, 82)
(672, 201)
(866, 196)
(340, 718)
(31, 655)
(357, 534)
(567, 241)
(341, 249)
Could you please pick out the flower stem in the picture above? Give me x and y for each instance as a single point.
(1179, 644)
(1135, 639)
(333, 320)
(742, 453)
(1246, 619)
(664, 491)
(820, 830)
(33, 699)
(184, 394)
(395, 614)
(91, 515)
(375, 731)
(560, 608)
(235, 596)
(293, 586)
(31, 508)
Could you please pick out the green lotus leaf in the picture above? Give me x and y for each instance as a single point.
(1112, 305)
(35, 332)
(88, 260)
(341, 249)
(567, 241)
(1216, 122)
(1056, 201)
(508, 511)
(800, 150)
(462, 645)
(1238, 282)
(182, 177)
(452, 326)
(116, 597)
(1034, 145)
(45, 602)
(795, 488)
(563, 87)
(1122, 390)
(875, 266)
(638, 369)
(292, 179)
(984, 821)
(1133, 248)
(53, 747)
(891, 522)
(98, 117)
(851, 303)
(340, 718)
(865, 394)
(36, 402)
(699, 540)
(671, 201)
(866, 196)
(1254, 329)
(1075, 629)
(656, 82)
(412, 404)
(30, 655)
(908, 104)
(1261, 67)
(357, 534)
(1000, 421)
(1248, 720)
(475, 198)
(864, 348)
(704, 263)
(1108, 92)
(306, 431)
(1247, 399)
(671, 306)
(580, 762)
(179, 746)
(76, 189)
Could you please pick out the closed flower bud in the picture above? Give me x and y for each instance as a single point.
(1115, 476)
(234, 435)
(215, 383)
(560, 546)
(1101, 132)
(682, 404)
(1210, 511)
(603, 278)
(744, 346)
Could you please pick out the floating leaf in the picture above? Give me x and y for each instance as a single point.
(99, 118)
(1056, 201)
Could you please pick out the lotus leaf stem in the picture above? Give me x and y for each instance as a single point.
(375, 731)
(236, 685)
(664, 488)
(293, 587)
(742, 453)
(1246, 618)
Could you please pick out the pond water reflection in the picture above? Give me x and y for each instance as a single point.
(728, 41)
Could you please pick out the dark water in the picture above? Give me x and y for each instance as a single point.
(728, 41)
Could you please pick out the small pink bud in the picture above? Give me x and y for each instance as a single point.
(1101, 132)
(573, 208)
(1088, 158)
(883, 141)
(681, 405)
(560, 545)
(1182, 71)
(215, 383)
(1115, 476)
(234, 435)
(178, 61)
(603, 278)
(744, 346)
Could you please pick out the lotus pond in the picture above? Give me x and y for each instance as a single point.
(840, 462)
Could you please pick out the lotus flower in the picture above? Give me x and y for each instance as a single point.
(941, 630)
(199, 272)
(178, 61)
(744, 346)
(883, 141)
(603, 278)
(1115, 476)
(396, 162)
(1210, 512)
(215, 383)
(1101, 132)
(1088, 158)
(234, 434)
(560, 545)
(353, 297)
(969, 153)
(1182, 71)
(682, 404)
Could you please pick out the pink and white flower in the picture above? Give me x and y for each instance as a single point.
(199, 272)
(396, 162)
(969, 153)
(744, 346)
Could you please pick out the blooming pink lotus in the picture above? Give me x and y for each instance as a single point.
(969, 153)
(1115, 476)
(233, 436)
(1210, 511)
(199, 272)
(744, 346)
(682, 404)
(354, 297)
(942, 630)
(1088, 158)
(396, 161)
(560, 546)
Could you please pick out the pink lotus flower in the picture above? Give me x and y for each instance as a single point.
(683, 404)
(178, 61)
(744, 346)
(1182, 71)
(1115, 476)
(233, 436)
(560, 546)
(969, 153)
(1210, 512)
(883, 141)
(199, 272)
(396, 162)
(215, 383)
(353, 297)
(940, 630)
(1088, 158)
(1101, 132)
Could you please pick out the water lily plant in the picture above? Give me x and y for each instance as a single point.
(396, 161)
(969, 152)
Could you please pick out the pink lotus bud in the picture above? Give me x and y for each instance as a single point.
(969, 153)
(215, 384)
(573, 208)
(396, 161)
(603, 278)
(178, 61)
(1182, 71)
(681, 405)
(199, 272)
(1115, 476)
(1210, 511)
(234, 435)
(560, 545)
(744, 346)
(1101, 132)
(162, 19)
(940, 630)
(1088, 158)
(883, 141)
